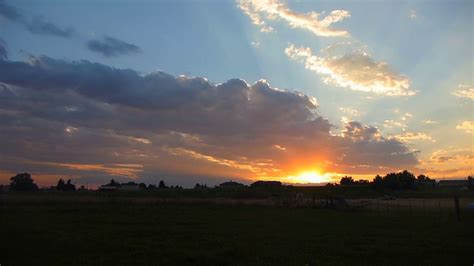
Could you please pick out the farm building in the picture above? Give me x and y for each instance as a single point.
(453, 183)
(231, 184)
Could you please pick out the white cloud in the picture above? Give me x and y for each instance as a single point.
(412, 14)
(389, 123)
(255, 44)
(430, 122)
(467, 126)
(357, 71)
(414, 136)
(350, 111)
(464, 91)
(261, 10)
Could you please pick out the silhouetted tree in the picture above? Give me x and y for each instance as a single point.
(470, 182)
(69, 186)
(162, 184)
(346, 180)
(395, 181)
(60, 185)
(142, 186)
(199, 186)
(113, 183)
(22, 182)
(65, 186)
(423, 180)
(377, 183)
(407, 180)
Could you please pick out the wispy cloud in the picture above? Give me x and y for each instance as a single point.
(43, 27)
(261, 11)
(255, 44)
(3, 50)
(467, 126)
(414, 136)
(37, 25)
(430, 122)
(357, 71)
(412, 14)
(111, 47)
(8, 12)
(464, 91)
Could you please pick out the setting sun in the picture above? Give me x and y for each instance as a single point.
(310, 177)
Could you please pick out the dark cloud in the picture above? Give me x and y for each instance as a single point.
(37, 25)
(88, 119)
(42, 27)
(3, 50)
(9, 12)
(111, 47)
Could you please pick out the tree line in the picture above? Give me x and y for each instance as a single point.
(398, 181)
(395, 181)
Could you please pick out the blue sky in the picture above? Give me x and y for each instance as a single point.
(427, 43)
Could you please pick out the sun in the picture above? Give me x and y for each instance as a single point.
(310, 177)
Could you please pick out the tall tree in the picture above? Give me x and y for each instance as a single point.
(22, 182)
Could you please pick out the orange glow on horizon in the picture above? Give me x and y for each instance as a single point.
(310, 177)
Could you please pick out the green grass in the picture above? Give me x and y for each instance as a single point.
(37, 232)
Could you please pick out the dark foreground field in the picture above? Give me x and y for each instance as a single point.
(36, 232)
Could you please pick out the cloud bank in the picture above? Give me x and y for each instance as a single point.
(90, 120)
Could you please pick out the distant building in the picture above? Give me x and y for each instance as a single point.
(108, 188)
(130, 186)
(231, 184)
(453, 183)
(266, 184)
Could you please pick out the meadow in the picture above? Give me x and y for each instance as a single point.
(131, 229)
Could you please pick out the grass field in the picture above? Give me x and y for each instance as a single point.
(35, 231)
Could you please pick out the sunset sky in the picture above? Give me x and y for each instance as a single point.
(206, 91)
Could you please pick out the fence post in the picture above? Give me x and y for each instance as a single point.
(439, 207)
(456, 206)
(411, 210)
(424, 209)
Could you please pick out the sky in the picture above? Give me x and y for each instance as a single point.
(207, 91)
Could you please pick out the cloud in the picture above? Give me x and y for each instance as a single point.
(255, 44)
(89, 120)
(3, 50)
(414, 136)
(111, 47)
(430, 122)
(8, 12)
(467, 126)
(449, 162)
(464, 91)
(465, 155)
(42, 27)
(350, 111)
(357, 71)
(412, 14)
(38, 25)
(261, 11)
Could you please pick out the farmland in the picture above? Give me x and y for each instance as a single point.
(94, 228)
